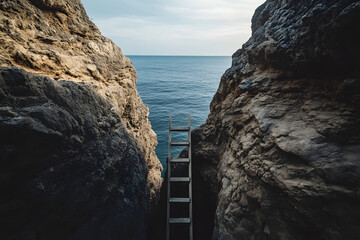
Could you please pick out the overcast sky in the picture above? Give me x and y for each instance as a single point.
(174, 27)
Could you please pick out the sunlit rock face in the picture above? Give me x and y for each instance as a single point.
(77, 149)
(280, 150)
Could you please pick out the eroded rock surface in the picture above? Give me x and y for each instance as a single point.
(281, 146)
(69, 169)
(76, 146)
(57, 39)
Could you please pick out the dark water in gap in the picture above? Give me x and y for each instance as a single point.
(177, 85)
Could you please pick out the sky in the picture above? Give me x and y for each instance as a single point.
(174, 27)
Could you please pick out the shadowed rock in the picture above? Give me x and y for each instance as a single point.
(56, 38)
(69, 169)
(77, 150)
(281, 148)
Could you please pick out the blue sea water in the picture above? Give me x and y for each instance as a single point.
(177, 85)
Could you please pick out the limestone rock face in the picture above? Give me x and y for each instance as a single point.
(69, 169)
(57, 39)
(77, 149)
(280, 150)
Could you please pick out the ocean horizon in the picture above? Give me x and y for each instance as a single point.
(177, 85)
(159, 55)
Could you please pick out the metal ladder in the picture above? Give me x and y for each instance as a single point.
(170, 179)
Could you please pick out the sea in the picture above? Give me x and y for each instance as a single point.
(180, 86)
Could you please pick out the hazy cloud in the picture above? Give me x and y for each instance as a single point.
(174, 27)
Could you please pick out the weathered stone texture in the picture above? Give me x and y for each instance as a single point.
(77, 152)
(69, 169)
(281, 145)
(57, 39)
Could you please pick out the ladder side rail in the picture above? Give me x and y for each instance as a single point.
(190, 182)
(168, 183)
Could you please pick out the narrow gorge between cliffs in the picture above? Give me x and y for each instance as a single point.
(276, 148)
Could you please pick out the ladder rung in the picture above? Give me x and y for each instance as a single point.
(179, 143)
(180, 200)
(179, 179)
(179, 129)
(179, 220)
(180, 160)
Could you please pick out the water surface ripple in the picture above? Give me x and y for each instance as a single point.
(177, 85)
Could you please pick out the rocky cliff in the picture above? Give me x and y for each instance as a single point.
(77, 148)
(279, 155)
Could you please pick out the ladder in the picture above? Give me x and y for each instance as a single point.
(170, 200)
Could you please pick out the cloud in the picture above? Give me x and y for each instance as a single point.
(194, 27)
(152, 29)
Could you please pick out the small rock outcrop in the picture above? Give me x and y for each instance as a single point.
(280, 150)
(77, 150)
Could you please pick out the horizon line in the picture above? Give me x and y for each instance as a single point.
(166, 55)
